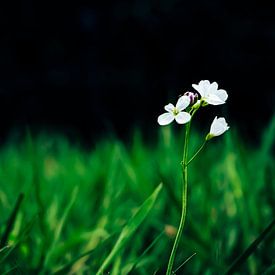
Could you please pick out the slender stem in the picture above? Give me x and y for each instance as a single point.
(184, 201)
(202, 146)
(187, 260)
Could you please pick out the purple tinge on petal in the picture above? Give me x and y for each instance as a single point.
(193, 97)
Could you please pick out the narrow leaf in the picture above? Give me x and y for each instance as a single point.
(4, 250)
(186, 261)
(7, 250)
(65, 269)
(243, 257)
(145, 252)
(11, 221)
(60, 225)
(130, 228)
(270, 270)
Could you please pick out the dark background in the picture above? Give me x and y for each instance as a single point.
(87, 68)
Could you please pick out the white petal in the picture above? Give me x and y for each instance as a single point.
(205, 85)
(204, 82)
(214, 86)
(198, 89)
(165, 119)
(214, 127)
(222, 94)
(182, 117)
(195, 86)
(202, 87)
(213, 99)
(183, 102)
(218, 126)
(169, 108)
(222, 121)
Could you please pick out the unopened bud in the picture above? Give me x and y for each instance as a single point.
(193, 97)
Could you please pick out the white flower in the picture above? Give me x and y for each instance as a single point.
(209, 92)
(218, 127)
(176, 112)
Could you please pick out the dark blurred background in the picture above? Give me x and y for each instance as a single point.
(87, 68)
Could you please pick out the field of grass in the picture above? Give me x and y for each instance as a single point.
(66, 210)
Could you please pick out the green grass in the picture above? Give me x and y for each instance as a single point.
(64, 210)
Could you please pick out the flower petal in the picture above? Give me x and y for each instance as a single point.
(222, 94)
(202, 87)
(213, 87)
(183, 117)
(213, 99)
(169, 108)
(214, 127)
(199, 89)
(183, 102)
(204, 83)
(218, 126)
(165, 119)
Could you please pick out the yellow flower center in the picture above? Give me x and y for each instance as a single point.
(175, 111)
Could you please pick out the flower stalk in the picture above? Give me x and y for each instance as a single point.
(199, 150)
(184, 201)
(209, 95)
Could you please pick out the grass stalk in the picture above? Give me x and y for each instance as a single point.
(11, 221)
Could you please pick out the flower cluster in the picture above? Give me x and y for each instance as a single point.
(189, 103)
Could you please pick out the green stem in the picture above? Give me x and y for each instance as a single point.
(184, 201)
(199, 150)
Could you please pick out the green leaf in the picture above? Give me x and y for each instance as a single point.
(4, 250)
(270, 270)
(11, 221)
(7, 250)
(65, 269)
(60, 225)
(130, 228)
(145, 252)
(184, 263)
(243, 257)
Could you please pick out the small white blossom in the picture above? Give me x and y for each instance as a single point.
(218, 127)
(176, 112)
(209, 92)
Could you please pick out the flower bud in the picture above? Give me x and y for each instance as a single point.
(193, 97)
(218, 127)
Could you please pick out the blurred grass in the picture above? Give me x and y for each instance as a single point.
(77, 203)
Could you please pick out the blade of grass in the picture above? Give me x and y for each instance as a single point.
(4, 250)
(116, 266)
(66, 268)
(130, 228)
(270, 270)
(145, 252)
(60, 225)
(12, 269)
(32, 152)
(186, 261)
(11, 220)
(243, 257)
(21, 237)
